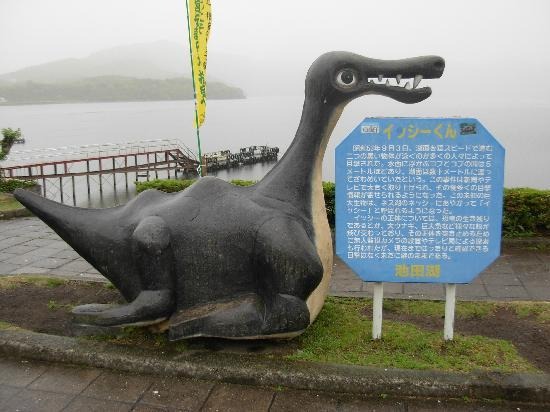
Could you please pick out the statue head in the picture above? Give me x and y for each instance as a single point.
(339, 77)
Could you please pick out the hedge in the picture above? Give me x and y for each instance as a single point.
(526, 211)
(9, 185)
(329, 190)
(166, 185)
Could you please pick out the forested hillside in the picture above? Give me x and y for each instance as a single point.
(110, 89)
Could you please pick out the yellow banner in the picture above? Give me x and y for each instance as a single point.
(200, 19)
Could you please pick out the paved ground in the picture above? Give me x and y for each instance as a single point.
(28, 246)
(36, 386)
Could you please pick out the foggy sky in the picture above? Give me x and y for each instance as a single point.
(470, 33)
(494, 49)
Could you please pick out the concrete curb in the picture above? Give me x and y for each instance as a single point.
(255, 370)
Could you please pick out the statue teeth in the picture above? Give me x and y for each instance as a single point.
(398, 78)
(408, 86)
(417, 79)
(380, 77)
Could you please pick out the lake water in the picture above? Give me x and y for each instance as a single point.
(521, 127)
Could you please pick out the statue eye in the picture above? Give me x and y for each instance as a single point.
(346, 78)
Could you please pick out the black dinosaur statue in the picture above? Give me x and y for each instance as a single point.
(227, 261)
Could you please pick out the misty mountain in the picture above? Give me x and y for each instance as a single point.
(154, 61)
(164, 60)
(110, 89)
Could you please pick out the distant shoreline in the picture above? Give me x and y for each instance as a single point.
(111, 101)
(110, 89)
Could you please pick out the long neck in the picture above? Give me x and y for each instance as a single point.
(299, 171)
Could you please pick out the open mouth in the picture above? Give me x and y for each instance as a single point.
(399, 88)
(401, 79)
(397, 81)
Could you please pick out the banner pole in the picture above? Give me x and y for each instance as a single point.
(199, 169)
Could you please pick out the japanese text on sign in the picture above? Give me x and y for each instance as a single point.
(419, 194)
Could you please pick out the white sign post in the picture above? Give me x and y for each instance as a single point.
(378, 295)
(450, 300)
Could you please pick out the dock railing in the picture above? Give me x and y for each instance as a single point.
(92, 151)
(56, 168)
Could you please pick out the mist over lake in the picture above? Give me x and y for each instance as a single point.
(232, 124)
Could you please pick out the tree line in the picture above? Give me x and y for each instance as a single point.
(111, 88)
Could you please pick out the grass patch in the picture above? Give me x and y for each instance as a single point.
(541, 247)
(53, 305)
(342, 335)
(10, 282)
(8, 203)
(464, 310)
(7, 325)
(54, 282)
(529, 245)
(539, 310)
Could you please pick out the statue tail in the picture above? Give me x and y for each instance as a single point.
(84, 230)
(65, 220)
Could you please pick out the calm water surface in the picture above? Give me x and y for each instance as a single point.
(521, 127)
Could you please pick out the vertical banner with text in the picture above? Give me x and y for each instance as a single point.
(200, 20)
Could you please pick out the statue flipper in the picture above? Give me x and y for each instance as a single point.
(155, 302)
(245, 317)
(150, 307)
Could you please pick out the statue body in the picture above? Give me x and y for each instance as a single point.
(223, 260)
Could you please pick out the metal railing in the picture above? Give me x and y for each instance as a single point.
(92, 151)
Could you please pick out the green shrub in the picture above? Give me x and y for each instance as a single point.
(165, 185)
(9, 137)
(171, 186)
(329, 191)
(9, 185)
(239, 182)
(526, 212)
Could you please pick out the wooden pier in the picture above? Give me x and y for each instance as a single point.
(53, 168)
(224, 159)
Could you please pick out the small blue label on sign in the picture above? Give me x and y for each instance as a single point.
(419, 200)
(370, 128)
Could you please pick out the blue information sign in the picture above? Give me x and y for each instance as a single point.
(419, 200)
